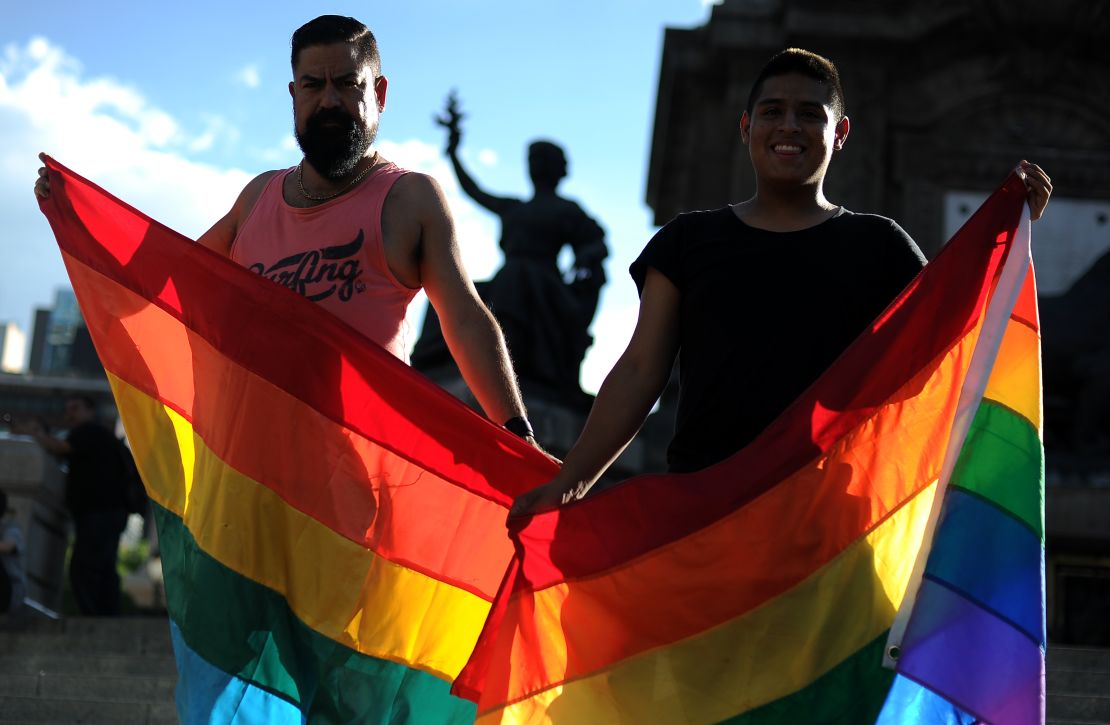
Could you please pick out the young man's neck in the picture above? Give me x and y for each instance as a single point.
(790, 210)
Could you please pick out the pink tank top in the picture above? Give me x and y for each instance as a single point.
(332, 254)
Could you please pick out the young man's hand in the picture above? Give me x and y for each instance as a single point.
(1038, 188)
(547, 497)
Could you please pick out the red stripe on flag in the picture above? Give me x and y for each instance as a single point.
(627, 520)
(287, 340)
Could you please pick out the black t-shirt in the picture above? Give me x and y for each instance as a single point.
(96, 480)
(763, 314)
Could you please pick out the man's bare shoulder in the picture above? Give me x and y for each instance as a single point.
(221, 235)
(250, 193)
(416, 191)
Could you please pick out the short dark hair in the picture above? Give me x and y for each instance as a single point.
(328, 29)
(807, 63)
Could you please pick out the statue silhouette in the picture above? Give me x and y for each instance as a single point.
(544, 313)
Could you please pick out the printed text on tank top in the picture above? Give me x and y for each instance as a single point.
(319, 273)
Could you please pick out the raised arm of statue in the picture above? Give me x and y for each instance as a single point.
(451, 120)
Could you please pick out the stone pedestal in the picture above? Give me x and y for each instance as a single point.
(35, 485)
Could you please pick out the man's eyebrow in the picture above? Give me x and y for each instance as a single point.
(346, 76)
(769, 101)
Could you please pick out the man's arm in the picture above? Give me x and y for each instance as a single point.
(50, 444)
(623, 402)
(221, 235)
(472, 334)
(53, 445)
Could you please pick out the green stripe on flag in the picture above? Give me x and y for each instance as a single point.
(248, 630)
(1002, 461)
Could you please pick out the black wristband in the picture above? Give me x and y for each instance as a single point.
(519, 426)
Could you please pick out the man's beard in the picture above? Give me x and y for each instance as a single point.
(334, 151)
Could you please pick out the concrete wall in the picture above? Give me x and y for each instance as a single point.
(35, 485)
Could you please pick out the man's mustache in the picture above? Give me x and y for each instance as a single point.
(331, 115)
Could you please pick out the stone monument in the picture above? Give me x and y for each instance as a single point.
(544, 312)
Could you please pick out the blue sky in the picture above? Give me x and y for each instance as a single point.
(174, 106)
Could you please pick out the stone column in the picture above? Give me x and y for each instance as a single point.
(35, 485)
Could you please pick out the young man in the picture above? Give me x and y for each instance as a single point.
(353, 232)
(759, 297)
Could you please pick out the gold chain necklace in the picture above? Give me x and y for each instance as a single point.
(352, 182)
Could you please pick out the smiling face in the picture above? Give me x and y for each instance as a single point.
(337, 103)
(792, 131)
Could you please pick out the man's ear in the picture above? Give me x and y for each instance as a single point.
(292, 90)
(841, 133)
(380, 87)
(745, 127)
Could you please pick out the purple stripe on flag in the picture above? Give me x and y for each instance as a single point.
(973, 659)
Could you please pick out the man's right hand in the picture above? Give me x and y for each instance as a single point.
(42, 183)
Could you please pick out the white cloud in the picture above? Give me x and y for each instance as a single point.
(283, 154)
(487, 157)
(217, 129)
(248, 76)
(106, 131)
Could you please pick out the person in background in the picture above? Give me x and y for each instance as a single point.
(97, 500)
(13, 583)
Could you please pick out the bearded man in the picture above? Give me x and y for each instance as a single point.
(354, 232)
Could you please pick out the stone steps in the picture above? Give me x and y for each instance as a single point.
(88, 671)
(1078, 686)
(122, 671)
(156, 665)
(61, 711)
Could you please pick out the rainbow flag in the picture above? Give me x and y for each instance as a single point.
(892, 515)
(332, 525)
